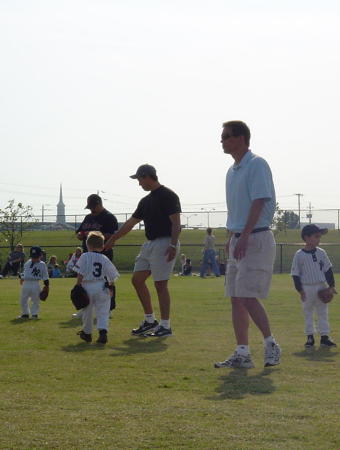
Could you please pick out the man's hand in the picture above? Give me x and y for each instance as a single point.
(303, 296)
(170, 253)
(81, 235)
(241, 247)
(109, 243)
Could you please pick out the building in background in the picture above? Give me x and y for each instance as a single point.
(61, 209)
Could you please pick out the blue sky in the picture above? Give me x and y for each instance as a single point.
(92, 89)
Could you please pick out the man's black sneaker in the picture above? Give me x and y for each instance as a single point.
(310, 341)
(85, 337)
(144, 327)
(102, 338)
(23, 316)
(326, 342)
(160, 332)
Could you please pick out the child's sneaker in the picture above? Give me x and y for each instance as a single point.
(23, 316)
(35, 316)
(310, 341)
(84, 336)
(326, 342)
(102, 338)
(236, 361)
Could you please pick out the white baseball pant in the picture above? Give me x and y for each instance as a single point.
(30, 290)
(314, 304)
(100, 301)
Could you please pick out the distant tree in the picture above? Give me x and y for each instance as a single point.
(284, 219)
(15, 218)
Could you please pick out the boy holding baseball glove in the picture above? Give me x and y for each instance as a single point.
(312, 272)
(34, 271)
(95, 274)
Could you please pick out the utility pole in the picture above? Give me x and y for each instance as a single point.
(299, 207)
(310, 215)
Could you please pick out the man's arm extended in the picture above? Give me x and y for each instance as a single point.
(175, 231)
(254, 214)
(124, 229)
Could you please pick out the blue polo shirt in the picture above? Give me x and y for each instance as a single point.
(247, 181)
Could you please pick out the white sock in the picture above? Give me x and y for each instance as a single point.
(242, 350)
(165, 323)
(269, 340)
(150, 318)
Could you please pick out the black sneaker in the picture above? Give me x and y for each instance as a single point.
(326, 342)
(160, 331)
(310, 341)
(23, 316)
(85, 337)
(144, 327)
(34, 316)
(102, 338)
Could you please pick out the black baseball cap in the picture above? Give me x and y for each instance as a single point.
(144, 171)
(93, 200)
(308, 230)
(35, 252)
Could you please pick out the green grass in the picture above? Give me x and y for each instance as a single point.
(133, 393)
(61, 243)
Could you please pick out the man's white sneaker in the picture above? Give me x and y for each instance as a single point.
(272, 354)
(236, 361)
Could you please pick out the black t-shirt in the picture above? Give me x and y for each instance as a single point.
(105, 222)
(155, 209)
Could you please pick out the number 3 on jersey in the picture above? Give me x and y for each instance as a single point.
(97, 269)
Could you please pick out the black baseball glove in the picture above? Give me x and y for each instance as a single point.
(44, 293)
(79, 297)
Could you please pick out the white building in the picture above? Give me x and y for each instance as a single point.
(61, 209)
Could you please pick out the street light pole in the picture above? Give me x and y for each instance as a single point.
(299, 207)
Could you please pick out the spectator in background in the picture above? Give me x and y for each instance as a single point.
(187, 268)
(182, 262)
(209, 255)
(53, 267)
(14, 261)
(72, 262)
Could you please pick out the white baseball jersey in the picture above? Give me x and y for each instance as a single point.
(35, 271)
(311, 265)
(95, 266)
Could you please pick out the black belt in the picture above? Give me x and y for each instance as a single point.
(255, 230)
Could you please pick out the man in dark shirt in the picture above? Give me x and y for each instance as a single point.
(99, 220)
(160, 210)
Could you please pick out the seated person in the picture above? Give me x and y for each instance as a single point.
(53, 267)
(187, 268)
(15, 261)
(72, 262)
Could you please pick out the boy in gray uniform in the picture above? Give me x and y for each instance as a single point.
(311, 270)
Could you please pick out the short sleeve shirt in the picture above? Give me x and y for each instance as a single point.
(105, 222)
(35, 271)
(249, 180)
(311, 265)
(95, 266)
(155, 209)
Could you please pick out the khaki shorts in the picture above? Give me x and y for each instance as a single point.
(152, 257)
(250, 277)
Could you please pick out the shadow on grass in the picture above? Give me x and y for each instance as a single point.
(140, 345)
(82, 347)
(237, 384)
(21, 321)
(318, 354)
(72, 323)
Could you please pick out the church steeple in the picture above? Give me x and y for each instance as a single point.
(61, 208)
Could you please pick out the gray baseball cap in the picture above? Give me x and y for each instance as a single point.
(144, 171)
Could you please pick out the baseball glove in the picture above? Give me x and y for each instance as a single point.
(326, 295)
(79, 297)
(44, 293)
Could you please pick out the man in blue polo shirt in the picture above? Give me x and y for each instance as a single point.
(251, 246)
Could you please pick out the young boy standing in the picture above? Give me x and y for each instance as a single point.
(96, 274)
(34, 271)
(311, 270)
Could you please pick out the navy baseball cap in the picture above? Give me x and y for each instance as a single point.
(308, 230)
(93, 200)
(35, 252)
(144, 171)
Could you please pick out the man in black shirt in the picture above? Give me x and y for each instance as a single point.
(160, 210)
(99, 220)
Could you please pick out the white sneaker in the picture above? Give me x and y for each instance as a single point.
(272, 354)
(237, 361)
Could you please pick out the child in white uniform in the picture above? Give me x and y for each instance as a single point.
(96, 274)
(311, 270)
(34, 271)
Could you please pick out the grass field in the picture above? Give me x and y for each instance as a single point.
(134, 393)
